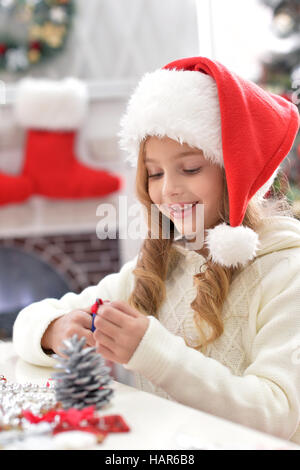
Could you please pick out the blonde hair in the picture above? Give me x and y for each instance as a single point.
(157, 257)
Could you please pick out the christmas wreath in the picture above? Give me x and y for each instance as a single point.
(32, 31)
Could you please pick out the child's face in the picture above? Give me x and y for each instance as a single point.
(174, 182)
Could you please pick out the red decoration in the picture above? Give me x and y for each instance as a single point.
(80, 420)
(35, 45)
(3, 48)
(115, 423)
(96, 305)
(14, 189)
(269, 194)
(50, 383)
(58, 173)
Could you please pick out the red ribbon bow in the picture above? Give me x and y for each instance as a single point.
(80, 420)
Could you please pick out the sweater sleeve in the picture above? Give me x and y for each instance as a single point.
(267, 396)
(32, 322)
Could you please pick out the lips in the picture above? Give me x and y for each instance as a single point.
(180, 206)
(178, 210)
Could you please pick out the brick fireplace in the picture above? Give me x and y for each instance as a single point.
(38, 267)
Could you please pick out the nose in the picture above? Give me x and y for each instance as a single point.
(172, 186)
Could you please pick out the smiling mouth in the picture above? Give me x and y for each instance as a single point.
(182, 211)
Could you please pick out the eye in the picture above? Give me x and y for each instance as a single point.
(193, 170)
(154, 176)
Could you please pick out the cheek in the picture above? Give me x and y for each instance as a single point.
(214, 206)
(201, 188)
(210, 191)
(154, 193)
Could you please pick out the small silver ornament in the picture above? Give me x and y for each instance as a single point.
(16, 59)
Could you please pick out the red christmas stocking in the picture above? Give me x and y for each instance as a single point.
(53, 112)
(52, 166)
(14, 189)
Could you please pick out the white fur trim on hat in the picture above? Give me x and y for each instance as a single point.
(182, 105)
(232, 246)
(50, 104)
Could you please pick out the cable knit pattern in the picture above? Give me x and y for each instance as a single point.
(229, 348)
(177, 315)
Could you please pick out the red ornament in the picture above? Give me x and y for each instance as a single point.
(115, 423)
(50, 383)
(80, 420)
(3, 48)
(35, 45)
(269, 194)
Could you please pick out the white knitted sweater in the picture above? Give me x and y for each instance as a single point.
(250, 374)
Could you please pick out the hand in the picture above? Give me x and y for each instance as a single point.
(119, 330)
(76, 322)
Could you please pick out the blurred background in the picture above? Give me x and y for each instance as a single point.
(48, 245)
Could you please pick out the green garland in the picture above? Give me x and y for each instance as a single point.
(47, 24)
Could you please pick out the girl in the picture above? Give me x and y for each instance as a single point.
(216, 327)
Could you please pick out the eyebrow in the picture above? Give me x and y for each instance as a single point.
(181, 154)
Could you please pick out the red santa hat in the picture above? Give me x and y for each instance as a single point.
(238, 125)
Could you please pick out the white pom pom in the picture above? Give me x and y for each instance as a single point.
(231, 246)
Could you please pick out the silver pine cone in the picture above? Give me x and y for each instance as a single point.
(83, 377)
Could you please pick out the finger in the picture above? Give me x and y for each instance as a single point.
(90, 339)
(106, 353)
(112, 315)
(86, 310)
(81, 333)
(124, 307)
(108, 328)
(85, 319)
(104, 340)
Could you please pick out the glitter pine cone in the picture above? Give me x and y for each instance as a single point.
(83, 378)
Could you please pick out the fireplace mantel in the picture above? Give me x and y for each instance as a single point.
(39, 216)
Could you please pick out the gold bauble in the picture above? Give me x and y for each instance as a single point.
(34, 55)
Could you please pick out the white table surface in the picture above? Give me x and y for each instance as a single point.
(155, 423)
